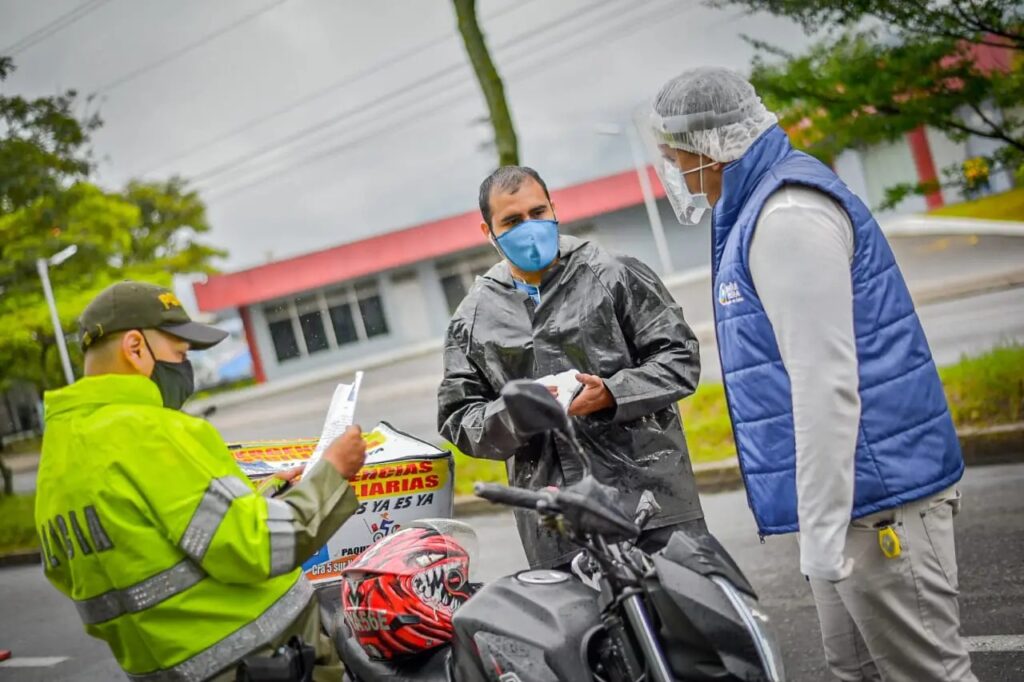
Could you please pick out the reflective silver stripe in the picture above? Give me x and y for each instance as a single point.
(99, 535)
(69, 547)
(270, 625)
(281, 524)
(208, 515)
(141, 595)
(82, 542)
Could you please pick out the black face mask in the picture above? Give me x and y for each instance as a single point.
(175, 380)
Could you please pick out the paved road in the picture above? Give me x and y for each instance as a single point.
(404, 393)
(37, 622)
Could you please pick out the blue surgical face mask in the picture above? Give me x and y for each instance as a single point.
(531, 246)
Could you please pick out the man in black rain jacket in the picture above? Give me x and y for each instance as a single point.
(557, 303)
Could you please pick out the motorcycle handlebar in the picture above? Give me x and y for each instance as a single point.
(511, 497)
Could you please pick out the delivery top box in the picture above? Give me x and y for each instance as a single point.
(403, 479)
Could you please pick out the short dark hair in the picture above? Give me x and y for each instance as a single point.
(507, 179)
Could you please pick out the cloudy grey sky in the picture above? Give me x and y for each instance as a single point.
(310, 123)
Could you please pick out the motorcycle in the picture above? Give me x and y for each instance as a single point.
(685, 612)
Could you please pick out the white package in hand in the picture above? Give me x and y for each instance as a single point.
(566, 383)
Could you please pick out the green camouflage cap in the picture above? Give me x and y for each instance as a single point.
(138, 305)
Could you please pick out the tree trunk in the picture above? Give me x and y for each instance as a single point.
(490, 82)
(8, 476)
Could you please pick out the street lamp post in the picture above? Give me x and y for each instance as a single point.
(660, 243)
(43, 267)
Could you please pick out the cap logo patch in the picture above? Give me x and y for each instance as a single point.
(169, 300)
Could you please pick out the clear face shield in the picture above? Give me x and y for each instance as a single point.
(662, 136)
(690, 207)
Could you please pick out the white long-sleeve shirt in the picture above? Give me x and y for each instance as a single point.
(800, 259)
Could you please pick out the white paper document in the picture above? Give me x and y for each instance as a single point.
(340, 415)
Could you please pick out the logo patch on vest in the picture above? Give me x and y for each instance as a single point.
(729, 293)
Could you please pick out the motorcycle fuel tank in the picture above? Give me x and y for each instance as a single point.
(528, 627)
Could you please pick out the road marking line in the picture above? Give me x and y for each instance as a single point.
(995, 643)
(33, 662)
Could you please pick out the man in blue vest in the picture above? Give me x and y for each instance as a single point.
(841, 424)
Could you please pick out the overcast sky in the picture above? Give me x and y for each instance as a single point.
(310, 123)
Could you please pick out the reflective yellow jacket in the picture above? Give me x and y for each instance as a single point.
(148, 524)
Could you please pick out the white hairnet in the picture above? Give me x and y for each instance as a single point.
(711, 111)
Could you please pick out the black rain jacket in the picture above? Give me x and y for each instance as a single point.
(600, 314)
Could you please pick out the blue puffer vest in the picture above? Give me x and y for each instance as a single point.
(907, 447)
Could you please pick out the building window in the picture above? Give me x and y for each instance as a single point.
(454, 290)
(325, 320)
(457, 278)
(311, 321)
(372, 310)
(282, 331)
(343, 323)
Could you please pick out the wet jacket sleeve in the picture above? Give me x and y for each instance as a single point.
(469, 414)
(321, 502)
(219, 521)
(663, 346)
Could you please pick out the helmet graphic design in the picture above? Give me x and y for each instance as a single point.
(399, 596)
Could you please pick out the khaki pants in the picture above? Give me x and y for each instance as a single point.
(897, 619)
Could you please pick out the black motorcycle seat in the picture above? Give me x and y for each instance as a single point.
(432, 666)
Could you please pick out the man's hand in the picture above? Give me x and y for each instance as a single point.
(347, 452)
(594, 397)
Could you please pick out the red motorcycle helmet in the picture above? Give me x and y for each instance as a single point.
(399, 596)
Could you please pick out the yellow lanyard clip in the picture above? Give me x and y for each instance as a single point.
(889, 542)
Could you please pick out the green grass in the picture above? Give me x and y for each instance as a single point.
(1005, 206)
(988, 389)
(707, 425)
(469, 470)
(17, 523)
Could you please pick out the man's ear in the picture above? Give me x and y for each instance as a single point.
(133, 349)
(485, 230)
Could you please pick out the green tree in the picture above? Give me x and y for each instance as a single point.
(490, 82)
(171, 216)
(992, 22)
(43, 145)
(881, 68)
(147, 231)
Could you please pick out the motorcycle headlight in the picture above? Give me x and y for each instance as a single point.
(756, 622)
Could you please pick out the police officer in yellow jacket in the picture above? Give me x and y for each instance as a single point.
(150, 527)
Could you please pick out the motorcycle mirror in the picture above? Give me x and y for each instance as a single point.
(533, 409)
